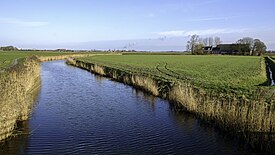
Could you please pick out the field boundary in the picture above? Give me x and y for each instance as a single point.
(270, 64)
(20, 84)
(231, 114)
(15, 62)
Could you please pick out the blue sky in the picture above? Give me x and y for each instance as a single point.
(132, 24)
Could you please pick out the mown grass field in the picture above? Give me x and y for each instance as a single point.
(222, 73)
(7, 58)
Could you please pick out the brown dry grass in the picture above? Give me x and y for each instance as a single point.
(18, 85)
(61, 57)
(232, 114)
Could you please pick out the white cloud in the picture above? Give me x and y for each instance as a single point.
(212, 18)
(19, 22)
(201, 32)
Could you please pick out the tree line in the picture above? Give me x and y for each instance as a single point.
(196, 45)
(256, 46)
(8, 48)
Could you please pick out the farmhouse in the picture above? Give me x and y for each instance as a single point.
(230, 49)
(207, 49)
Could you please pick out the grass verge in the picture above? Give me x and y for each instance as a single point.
(232, 99)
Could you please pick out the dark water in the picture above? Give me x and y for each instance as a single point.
(79, 113)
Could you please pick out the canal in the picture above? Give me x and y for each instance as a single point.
(80, 113)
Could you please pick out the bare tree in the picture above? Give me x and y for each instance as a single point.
(196, 44)
(188, 48)
(217, 41)
(210, 41)
(205, 41)
(191, 43)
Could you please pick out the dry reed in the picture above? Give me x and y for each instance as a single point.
(18, 85)
(235, 114)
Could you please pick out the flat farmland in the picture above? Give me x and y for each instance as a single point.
(222, 73)
(7, 58)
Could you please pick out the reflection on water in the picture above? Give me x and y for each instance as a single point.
(80, 113)
(151, 99)
(16, 144)
(99, 78)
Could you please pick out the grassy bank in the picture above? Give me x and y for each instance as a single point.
(7, 58)
(20, 83)
(225, 90)
(213, 73)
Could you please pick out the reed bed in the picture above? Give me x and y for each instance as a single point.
(20, 84)
(61, 57)
(17, 94)
(252, 117)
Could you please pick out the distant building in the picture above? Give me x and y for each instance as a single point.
(61, 50)
(207, 49)
(228, 49)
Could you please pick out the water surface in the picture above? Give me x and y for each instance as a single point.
(80, 113)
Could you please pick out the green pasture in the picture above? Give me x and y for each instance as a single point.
(226, 73)
(7, 58)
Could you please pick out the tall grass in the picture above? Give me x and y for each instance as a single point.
(19, 85)
(252, 116)
(60, 57)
